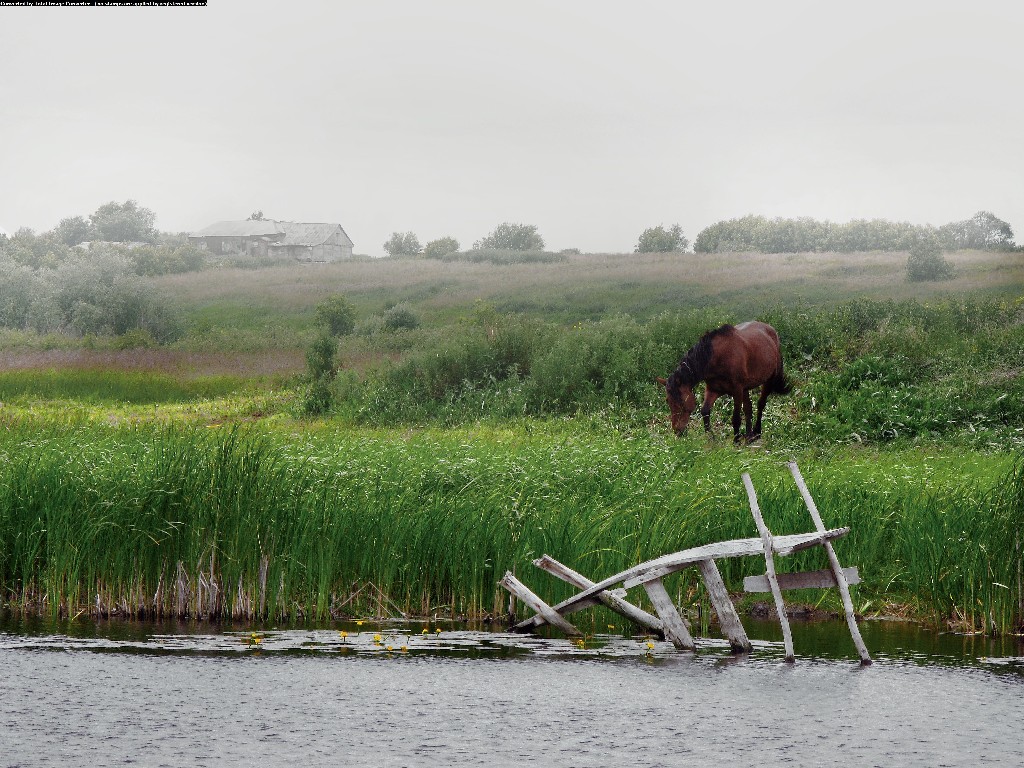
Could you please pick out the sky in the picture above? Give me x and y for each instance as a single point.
(590, 120)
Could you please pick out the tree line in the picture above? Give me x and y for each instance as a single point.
(983, 231)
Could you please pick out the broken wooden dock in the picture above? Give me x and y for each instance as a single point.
(669, 622)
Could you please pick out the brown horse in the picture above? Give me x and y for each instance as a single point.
(732, 360)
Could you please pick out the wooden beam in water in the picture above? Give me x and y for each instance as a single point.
(612, 599)
(728, 619)
(674, 625)
(521, 591)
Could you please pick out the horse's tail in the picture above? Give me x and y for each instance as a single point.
(779, 383)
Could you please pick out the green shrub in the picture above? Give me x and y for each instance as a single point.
(400, 318)
(512, 237)
(337, 315)
(660, 240)
(437, 249)
(926, 261)
(320, 363)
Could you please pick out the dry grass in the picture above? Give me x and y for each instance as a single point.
(663, 278)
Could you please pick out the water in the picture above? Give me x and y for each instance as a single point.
(107, 694)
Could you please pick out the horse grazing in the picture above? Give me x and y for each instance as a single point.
(732, 360)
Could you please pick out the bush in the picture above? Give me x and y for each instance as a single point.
(100, 294)
(337, 315)
(926, 261)
(320, 362)
(660, 240)
(153, 260)
(441, 247)
(400, 318)
(512, 237)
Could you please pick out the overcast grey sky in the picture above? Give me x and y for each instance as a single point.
(592, 120)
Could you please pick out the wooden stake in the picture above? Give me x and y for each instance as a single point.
(837, 569)
(769, 561)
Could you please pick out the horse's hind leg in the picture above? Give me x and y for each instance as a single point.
(760, 410)
(747, 409)
(737, 419)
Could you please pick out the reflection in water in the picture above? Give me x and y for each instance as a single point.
(107, 693)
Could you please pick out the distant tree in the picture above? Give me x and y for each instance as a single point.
(124, 223)
(513, 237)
(660, 240)
(982, 231)
(256, 216)
(73, 230)
(926, 261)
(337, 315)
(400, 244)
(441, 247)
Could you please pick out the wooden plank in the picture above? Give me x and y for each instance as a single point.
(800, 580)
(837, 569)
(521, 591)
(612, 598)
(769, 561)
(784, 545)
(674, 625)
(728, 619)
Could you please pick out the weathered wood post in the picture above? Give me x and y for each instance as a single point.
(676, 630)
(728, 619)
(520, 590)
(769, 560)
(837, 569)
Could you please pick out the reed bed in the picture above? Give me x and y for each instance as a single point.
(274, 524)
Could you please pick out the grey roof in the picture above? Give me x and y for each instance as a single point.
(240, 229)
(295, 233)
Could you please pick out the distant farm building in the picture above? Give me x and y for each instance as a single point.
(305, 242)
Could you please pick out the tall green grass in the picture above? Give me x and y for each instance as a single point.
(113, 386)
(258, 523)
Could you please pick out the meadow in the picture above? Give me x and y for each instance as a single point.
(519, 417)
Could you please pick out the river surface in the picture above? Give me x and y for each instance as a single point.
(110, 693)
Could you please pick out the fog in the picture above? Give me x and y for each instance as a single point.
(590, 120)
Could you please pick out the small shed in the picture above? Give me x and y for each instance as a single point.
(268, 237)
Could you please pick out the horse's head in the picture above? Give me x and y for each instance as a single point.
(681, 402)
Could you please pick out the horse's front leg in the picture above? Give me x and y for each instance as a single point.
(705, 409)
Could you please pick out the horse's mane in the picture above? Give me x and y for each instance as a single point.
(693, 366)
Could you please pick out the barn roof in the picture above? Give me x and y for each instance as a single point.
(239, 229)
(295, 233)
